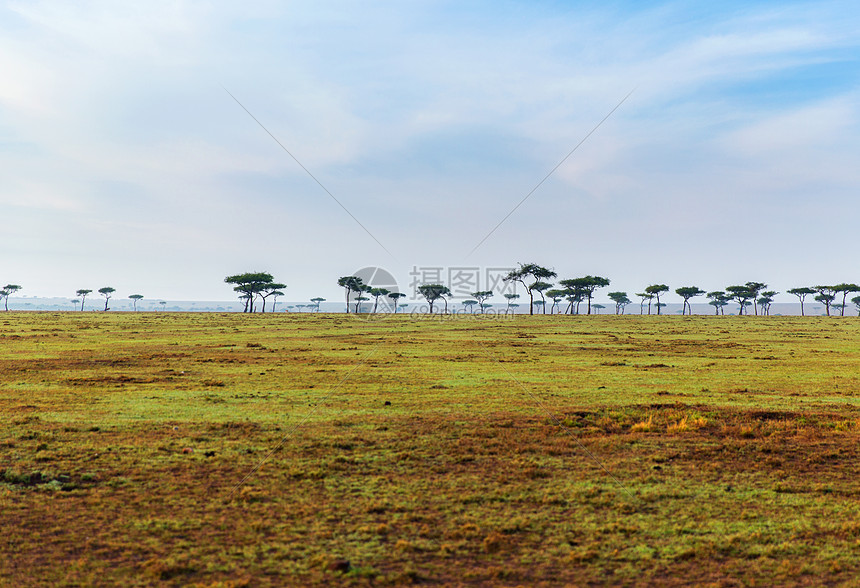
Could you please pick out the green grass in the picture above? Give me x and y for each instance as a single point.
(259, 450)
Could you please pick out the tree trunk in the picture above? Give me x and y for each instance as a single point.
(658, 304)
(347, 300)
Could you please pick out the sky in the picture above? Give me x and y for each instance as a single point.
(125, 162)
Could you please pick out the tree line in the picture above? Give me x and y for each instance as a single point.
(256, 288)
(535, 279)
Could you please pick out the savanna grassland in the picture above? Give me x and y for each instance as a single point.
(284, 449)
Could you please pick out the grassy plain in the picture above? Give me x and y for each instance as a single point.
(272, 449)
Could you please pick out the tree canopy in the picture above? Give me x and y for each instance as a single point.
(253, 285)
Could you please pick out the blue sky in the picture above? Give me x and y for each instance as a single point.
(124, 162)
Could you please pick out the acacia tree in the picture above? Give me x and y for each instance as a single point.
(755, 288)
(275, 295)
(540, 288)
(7, 291)
(556, 296)
(134, 299)
(529, 271)
(433, 292)
(856, 302)
(511, 298)
(83, 296)
(742, 294)
(718, 300)
(252, 284)
(573, 297)
(267, 290)
(656, 290)
(844, 288)
(585, 287)
(361, 298)
(645, 296)
(686, 293)
(395, 296)
(351, 284)
(376, 293)
(481, 297)
(470, 305)
(107, 291)
(765, 300)
(620, 299)
(826, 295)
(801, 294)
(316, 302)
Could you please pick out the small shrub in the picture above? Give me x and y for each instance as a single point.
(644, 426)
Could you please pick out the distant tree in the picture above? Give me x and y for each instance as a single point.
(7, 291)
(742, 295)
(686, 293)
(540, 304)
(394, 297)
(300, 306)
(290, 307)
(755, 288)
(275, 295)
(529, 275)
(511, 298)
(645, 296)
(83, 295)
(846, 289)
(317, 301)
(75, 303)
(269, 289)
(765, 300)
(801, 294)
(540, 288)
(556, 296)
(482, 296)
(598, 307)
(351, 284)
(134, 299)
(470, 305)
(361, 298)
(620, 299)
(656, 290)
(376, 293)
(718, 300)
(826, 295)
(162, 303)
(574, 294)
(433, 292)
(251, 285)
(107, 291)
(585, 287)
(485, 306)
(856, 302)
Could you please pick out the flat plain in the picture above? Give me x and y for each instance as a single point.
(231, 449)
